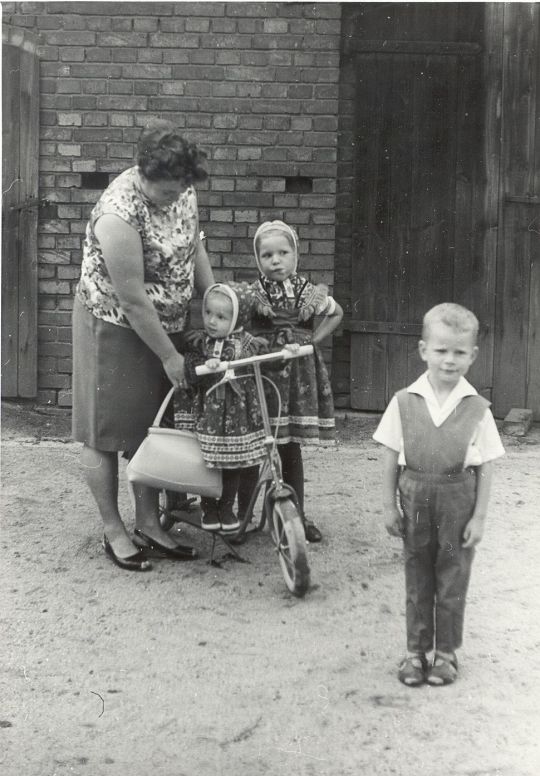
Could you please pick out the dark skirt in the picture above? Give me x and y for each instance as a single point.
(118, 384)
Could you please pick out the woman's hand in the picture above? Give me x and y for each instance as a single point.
(174, 369)
(212, 363)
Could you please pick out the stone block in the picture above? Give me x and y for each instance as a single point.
(517, 422)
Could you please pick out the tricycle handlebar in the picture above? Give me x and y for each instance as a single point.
(303, 350)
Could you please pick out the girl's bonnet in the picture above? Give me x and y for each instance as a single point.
(275, 226)
(221, 288)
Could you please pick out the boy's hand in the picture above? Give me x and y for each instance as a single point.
(473, 532)
(212, 363)
(394, 522)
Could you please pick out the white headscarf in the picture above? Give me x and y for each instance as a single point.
(226, 291)
(275, 226)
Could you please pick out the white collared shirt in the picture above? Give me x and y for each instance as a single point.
(485, 444)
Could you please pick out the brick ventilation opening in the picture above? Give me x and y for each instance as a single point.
(94, 180)
(299, 185)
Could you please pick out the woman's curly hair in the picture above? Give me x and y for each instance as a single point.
(163, 154)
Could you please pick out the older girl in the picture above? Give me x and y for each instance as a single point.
(285, 309)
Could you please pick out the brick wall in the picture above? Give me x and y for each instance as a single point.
(255, 84)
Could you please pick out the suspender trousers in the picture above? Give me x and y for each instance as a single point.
(437, 498)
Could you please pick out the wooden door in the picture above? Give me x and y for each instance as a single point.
(20, 151)
(517, 356)
(418, 231)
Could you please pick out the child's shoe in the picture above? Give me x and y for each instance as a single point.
(229, 521)
(210, 517)
(312, 532)
(412, 670)
(443, 671)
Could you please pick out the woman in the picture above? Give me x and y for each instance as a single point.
(142, 257)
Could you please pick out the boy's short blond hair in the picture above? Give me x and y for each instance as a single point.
(453, 315)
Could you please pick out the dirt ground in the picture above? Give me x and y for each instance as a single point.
(192, 670)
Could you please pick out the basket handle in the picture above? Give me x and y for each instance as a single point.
(161, 411)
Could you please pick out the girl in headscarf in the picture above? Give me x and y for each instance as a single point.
(285, 308)
(228, 420)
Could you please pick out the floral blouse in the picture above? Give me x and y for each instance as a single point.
(169, 235)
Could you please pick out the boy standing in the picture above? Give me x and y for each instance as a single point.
(440, 438)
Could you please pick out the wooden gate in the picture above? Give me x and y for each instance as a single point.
(517, 356)
(419, 225)
(20, 152)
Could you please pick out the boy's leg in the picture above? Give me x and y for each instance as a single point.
(227, 518)
(453, 564)
(417, 502)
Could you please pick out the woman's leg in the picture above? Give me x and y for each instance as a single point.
(147, 515)
(101, 474)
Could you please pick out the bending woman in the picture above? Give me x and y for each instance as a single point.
(142, 258)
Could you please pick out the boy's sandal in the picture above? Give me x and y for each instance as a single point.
(443, 671)
(412, 670)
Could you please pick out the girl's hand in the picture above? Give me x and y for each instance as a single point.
(174, 369)
(394, 522)
(265, 310)
(294, 347)
(262, 344)
(212, 363)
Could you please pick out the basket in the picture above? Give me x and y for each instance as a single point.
(169, 459)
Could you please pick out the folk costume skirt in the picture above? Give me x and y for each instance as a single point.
(118, 384)
(307, 405)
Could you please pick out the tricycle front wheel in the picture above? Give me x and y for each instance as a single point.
(289, 538)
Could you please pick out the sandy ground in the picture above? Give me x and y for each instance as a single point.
(196, 671)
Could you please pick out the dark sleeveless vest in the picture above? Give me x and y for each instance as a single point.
(432, 449)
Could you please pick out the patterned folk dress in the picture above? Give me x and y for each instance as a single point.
(227, 419)
(307, 406)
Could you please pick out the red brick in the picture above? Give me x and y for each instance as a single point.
(153, 56)
(173, 25)
(98, 55)
(125, 55)
(46, 397)
(115, 39)
(69, 149)
(173, 40)
(145, 25)
(69, 38)
(53, 287)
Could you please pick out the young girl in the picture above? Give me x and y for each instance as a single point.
(285, 307)
(228, 420)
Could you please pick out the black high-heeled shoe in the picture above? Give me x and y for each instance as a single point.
(180, 552)
(136, 562)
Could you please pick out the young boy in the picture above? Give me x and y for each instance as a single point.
(440, 438)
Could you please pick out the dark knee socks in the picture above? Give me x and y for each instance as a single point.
(248, 481)
(293, 469)
(230, 478)
(231, 481)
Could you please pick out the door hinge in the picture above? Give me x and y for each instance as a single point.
(29, 203)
